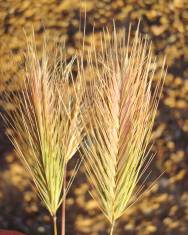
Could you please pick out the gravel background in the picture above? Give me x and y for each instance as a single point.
(163, 211)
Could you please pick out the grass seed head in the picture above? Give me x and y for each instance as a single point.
(121, 104)
(46, 130)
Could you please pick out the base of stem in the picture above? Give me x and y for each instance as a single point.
(112, 228)
(55, 224)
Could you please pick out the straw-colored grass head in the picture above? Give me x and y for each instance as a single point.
(121, 105)
(44, 120)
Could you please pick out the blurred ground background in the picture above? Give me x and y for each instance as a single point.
(163, 211)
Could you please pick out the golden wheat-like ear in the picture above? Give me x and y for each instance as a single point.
(70, 92)
(121, 105)
(36, 128)
(46, 130)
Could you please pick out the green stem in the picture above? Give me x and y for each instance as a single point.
(55, 224)
(112, 228)
(63, 205)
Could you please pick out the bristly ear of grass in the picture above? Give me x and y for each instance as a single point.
(46, 130)
(121, 105)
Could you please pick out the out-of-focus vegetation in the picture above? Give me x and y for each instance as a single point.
(162, 211)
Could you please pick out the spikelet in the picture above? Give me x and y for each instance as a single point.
(119, 114)
(45, 125)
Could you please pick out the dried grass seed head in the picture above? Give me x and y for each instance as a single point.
(119, 119)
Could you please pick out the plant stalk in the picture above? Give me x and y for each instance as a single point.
(55, 224)
(63, 205)
(112, 228)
